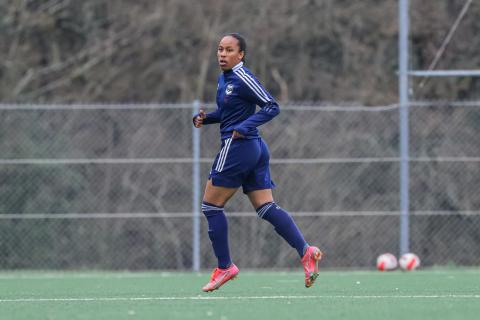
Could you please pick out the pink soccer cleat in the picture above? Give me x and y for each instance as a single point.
(310, 265)
(220, 276)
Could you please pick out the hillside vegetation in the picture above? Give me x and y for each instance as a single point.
(66, 51)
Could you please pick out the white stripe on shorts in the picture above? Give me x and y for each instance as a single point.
(223, 155)
(222, 151)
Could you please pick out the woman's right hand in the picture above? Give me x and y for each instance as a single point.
(198, 119)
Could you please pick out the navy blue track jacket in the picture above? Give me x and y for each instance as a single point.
(238, 94)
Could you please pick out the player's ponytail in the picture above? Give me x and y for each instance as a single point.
(241, 43)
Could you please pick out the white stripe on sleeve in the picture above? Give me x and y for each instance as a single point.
(252, 87)
(254, 83)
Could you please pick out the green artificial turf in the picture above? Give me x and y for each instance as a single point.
(424, 294)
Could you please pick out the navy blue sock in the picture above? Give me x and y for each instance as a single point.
(218, 233)
(284, 225)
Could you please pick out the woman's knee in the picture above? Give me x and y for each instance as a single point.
(217, 196)
(259, 197)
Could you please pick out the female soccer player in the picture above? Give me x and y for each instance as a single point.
(243, 160)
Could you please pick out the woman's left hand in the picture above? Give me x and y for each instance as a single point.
(237, 135)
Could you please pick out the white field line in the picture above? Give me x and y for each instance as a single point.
(288, 274)
(367, 297)
(62, 276)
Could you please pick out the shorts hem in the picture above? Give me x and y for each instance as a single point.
(222, 183)
(247, 190)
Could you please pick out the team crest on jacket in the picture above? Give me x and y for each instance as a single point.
(229, 89)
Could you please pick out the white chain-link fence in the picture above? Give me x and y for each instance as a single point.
(110, 186)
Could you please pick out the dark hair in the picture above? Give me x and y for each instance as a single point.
(241, 42)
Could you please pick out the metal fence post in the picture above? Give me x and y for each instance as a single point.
(196, 191)
(404, 130)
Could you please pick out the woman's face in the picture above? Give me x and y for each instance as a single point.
(228, 53)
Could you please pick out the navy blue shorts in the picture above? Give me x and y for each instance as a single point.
(242, 162)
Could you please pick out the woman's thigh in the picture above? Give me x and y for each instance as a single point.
(217, 195)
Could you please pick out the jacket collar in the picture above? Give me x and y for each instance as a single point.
(235, 68)
(238, 66)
